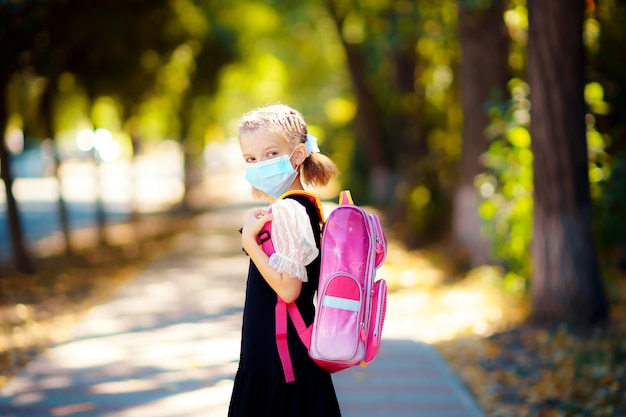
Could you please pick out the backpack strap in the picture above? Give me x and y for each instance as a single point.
(297, 194)
(281, 340)
(303, 331)
(282, 311)
(265, 238)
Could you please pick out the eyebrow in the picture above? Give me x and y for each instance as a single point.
(269, 148)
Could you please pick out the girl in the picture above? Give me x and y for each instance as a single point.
(281, 156)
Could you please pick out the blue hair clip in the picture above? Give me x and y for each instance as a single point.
(311, 144)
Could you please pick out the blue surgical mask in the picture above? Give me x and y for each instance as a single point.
(273, 176)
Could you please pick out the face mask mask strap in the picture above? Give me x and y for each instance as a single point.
(296, 168)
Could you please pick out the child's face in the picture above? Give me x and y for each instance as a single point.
(262, 145)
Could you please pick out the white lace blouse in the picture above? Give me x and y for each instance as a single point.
(293, 239)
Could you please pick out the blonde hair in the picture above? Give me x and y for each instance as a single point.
(287, 123)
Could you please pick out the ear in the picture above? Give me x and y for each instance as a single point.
(299, 154)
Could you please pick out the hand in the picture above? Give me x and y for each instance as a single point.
(254, 223)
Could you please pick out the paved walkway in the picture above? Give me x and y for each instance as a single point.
(167, 344)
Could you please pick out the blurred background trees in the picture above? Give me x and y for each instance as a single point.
(565, 271)
(425, 107)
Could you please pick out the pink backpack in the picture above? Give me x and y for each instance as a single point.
(347, 327)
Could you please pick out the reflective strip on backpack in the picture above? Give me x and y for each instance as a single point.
(341, 303)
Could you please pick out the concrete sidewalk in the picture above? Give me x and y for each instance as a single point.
(167, 345)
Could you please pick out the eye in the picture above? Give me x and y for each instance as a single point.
(271, 154)
(250, 159)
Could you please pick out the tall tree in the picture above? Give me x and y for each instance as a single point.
(47, 111)
(105, 61)
(484, 73)
(369, 126)
(110, 62)
(210, 47)
(566, 284)
(400, 57)
(15, 32)
(21, 256)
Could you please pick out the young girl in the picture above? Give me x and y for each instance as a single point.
(281, 156)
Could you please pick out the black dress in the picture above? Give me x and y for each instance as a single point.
(260, 389)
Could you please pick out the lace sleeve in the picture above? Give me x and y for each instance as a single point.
(293, 239)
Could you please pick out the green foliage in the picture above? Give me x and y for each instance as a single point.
(289, 53)
(432, 177)
(410, 53)
(611, 206)
(607, 179)
(605, 95)
(516, 18)
(189, 68)
(506, 187)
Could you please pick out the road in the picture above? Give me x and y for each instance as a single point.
(166, 344)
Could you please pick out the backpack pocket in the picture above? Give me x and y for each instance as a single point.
(336, 333)
(377, 318)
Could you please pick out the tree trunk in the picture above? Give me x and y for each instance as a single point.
(484, 74)
(566, 284)
(23, 261)
(192, 159)
(47, 114)
(368, 125)
(101, 217)
(191, 177)
(100, 213)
